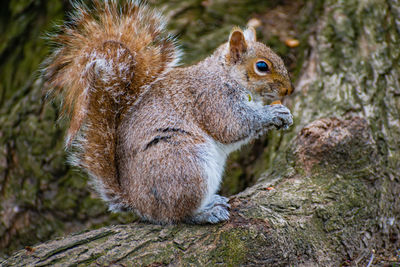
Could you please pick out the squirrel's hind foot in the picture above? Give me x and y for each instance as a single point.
(215, 212)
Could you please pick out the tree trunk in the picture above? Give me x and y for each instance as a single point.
(331, 194)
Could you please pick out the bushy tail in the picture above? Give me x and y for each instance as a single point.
(104, 58)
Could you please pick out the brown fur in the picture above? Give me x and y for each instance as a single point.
(155, 138)
(71, 72)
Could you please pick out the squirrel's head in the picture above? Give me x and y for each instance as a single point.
(255, 66)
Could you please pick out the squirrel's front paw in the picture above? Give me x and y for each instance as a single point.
(281, 116)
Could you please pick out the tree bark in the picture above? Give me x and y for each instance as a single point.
(331, 195)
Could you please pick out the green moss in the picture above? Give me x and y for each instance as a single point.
(231, 249)
(234, 176)
(17, 6)
(22, 44)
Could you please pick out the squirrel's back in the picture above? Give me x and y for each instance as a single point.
(103, 59)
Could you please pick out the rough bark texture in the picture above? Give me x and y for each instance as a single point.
(330, 196)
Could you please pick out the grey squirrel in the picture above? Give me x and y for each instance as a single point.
(154, 137)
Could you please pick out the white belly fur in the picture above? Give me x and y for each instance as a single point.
(214, 155)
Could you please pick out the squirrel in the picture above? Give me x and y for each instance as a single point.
(153, 136)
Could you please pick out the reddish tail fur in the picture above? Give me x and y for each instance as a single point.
(104, 58)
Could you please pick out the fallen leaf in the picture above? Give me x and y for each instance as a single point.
(292, 43)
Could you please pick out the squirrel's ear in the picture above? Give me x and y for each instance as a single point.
(250, 34)
(237, 45)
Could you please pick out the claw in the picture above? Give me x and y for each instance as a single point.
(216, 211)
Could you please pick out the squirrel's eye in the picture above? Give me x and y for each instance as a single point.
(262, 67)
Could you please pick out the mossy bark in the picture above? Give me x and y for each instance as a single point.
(330, 195)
